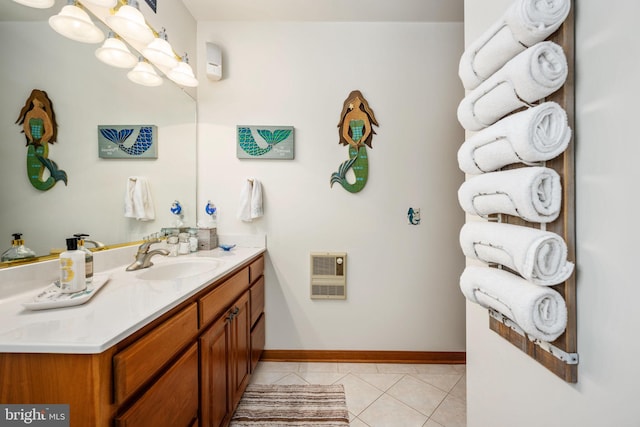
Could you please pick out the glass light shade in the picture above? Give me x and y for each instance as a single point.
(159, 52)
(103, 3)
(129, 22)
(74, 23)
(115, 53)
(145, 75)
(182, 74)
(38, 4)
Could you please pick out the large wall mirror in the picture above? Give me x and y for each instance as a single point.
(86, 93)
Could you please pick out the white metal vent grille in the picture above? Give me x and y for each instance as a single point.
(329, 275)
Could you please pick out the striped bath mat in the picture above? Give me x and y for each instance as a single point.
(292, 405)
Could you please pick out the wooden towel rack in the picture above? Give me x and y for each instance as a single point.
(561, 356)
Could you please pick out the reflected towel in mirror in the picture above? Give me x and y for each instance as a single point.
(138, 202)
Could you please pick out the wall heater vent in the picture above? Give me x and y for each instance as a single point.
(329, 275)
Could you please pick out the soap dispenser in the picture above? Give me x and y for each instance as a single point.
(88, 257)
(72, 270)
(17, 250)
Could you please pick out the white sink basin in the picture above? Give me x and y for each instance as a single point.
(180, 269)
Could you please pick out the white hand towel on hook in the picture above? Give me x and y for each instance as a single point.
(533, 135)
(533, 193)
(524, 23)
(250, 206)
(532, 75)
(538, 256)
(539, 310)
(138, 202)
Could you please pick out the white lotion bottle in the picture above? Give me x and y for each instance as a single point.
(72, 268)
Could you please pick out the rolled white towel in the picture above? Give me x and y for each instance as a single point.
(532, 21)
(533, 193)
(538, 256)
(138, 202)
(533, 135)
(524, 23)
(532, 75)
(540, 311)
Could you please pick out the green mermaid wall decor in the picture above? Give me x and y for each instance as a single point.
(356, 131)
(40, 129)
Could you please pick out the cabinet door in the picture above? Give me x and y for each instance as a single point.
(170, 402)
(215, 372)
(240, 347)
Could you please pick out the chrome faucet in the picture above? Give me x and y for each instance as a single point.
(143, 256)
(95, 243)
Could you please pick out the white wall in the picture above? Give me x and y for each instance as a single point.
(505, 387)
(402, 280)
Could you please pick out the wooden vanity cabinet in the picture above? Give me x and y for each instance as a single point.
(257, 334)
(188, 368)
(227, 349)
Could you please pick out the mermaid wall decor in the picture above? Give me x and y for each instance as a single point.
(355, 130)
(40, 129)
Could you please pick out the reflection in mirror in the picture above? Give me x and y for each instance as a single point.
(86, 93)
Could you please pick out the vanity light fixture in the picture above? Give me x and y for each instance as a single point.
(74, 23)
(38, 4)
(114, 52)
(144, 74)
(129, 22)
(182, 73)
(103, 3)
(160, 52)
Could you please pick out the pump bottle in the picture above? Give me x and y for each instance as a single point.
(72, 268)
(88, 257)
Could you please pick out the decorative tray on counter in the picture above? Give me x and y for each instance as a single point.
(51, 297)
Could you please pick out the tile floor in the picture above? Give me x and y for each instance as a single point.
(384, 395)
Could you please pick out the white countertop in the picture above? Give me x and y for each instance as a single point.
(122, 306)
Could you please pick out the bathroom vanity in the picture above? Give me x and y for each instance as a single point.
(144, 351)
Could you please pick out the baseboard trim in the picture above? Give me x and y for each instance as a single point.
(427, 357)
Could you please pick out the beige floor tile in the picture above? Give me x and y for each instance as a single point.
(443, 381)
(417, 394)
(318, 367)
(279, 366)
(381, 381)
(397, 368)
(460, 389)
(434, 368)
(451, 413)
(359, 393)
(321, 377)
(356, 422)
(369, 368)
(291, 379)
(383, 394)
(389, 412)
(265, 377)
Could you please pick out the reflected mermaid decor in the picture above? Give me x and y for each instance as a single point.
(355, 130)
(40, 129)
